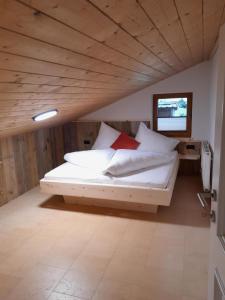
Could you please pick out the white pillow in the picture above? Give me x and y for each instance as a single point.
(126, 161)
(106, 137)
(92, 159)
(152, 141)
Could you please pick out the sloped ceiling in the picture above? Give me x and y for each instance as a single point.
(78, 55)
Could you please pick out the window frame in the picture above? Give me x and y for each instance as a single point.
(173, 133)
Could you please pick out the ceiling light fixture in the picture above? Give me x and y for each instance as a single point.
(45, 115)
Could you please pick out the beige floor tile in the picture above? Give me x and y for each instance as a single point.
(138, 233)
(83, 277)
(163, 280)
(111, 290)
(142, 275)
(167, 230)
(10, 242)
(195, 276)
(57, 296)
(16, 265)
(195, 288)
(192, 298)
(126, 272)
(197, 241)
(37, 284)
(135, 255)
(79, 283)
(67, 255)
(7, 284)
(91, 263)
(166, 252)
(101, 248)
(27, 256)
(62, 255)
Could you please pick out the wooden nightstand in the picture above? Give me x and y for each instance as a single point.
(190, 157)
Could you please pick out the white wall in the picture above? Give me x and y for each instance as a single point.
(138, 106)
(213, 97)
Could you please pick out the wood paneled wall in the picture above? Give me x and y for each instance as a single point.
(82, 135)
(25, 158)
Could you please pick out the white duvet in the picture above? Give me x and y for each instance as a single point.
(96, 160)
(127, 161)
(118, 162)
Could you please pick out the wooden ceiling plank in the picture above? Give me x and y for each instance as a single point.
(24, 19)
(60, 119)
(213, 14)
(44, 83)
(36, 109)
(164, 15)
(18, 116)
(50, 96)
(90, 21)
(21, 104)
(191, 17)
(128, 82)
(132, 17)
(123, 38)
(14, 88)
(15, 43)
(29, 103)
(26, 64)
(22, 77)
(10, 119)
(25, 126)
(78, 56)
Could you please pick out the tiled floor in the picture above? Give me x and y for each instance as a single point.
(61, 254)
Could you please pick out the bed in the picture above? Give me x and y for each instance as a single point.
(143, 190)
(108, 175)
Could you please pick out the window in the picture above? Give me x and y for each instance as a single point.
(172, 114)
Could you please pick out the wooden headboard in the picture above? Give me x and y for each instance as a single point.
(84, 133)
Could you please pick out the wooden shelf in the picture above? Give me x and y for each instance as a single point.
(189, 156)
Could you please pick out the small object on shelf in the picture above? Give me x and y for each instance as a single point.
(189, 147)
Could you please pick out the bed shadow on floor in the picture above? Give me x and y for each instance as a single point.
(172, 215)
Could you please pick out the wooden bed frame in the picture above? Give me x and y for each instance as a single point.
(114, 196)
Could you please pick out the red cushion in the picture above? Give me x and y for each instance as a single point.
(124, 141)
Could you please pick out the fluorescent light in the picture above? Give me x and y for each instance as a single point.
(45, 115)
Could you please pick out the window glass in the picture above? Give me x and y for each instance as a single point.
(172, 114)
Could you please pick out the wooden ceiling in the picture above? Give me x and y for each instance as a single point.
(78, 55)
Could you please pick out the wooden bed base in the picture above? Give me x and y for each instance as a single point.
(114, 196)
(111, 204)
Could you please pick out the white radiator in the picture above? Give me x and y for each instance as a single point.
(206, 164)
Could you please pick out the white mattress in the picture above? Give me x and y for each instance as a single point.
(157, 177)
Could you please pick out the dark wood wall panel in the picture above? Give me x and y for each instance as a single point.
(82, 135)
(25, 158)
